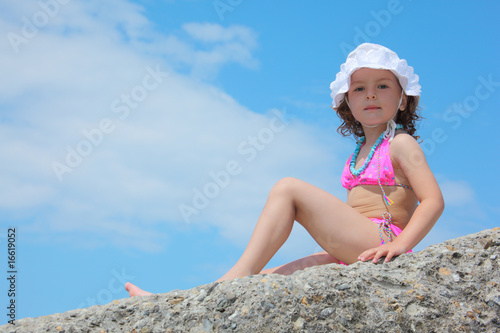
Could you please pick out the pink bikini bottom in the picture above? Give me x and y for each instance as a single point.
(395, 230)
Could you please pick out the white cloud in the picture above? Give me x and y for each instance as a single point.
(232, 44)
(215, 33)
(93, 64)
(457, 193)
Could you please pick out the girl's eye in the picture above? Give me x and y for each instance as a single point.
(358, 89)
(383, 86)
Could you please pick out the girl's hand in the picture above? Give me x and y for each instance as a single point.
(388, 250)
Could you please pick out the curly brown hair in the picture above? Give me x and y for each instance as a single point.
(408, 118)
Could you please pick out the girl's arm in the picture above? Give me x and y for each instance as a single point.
(411, 158)
(408, 154)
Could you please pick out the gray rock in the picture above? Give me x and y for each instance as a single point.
(449, 287)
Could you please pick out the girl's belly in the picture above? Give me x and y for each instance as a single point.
(368, 201)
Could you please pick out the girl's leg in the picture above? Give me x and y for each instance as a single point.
(338, 228)
(320, 258)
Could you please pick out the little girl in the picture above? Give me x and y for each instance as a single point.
(393, 198)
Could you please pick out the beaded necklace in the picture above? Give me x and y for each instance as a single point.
(370, 155)
(368, 159)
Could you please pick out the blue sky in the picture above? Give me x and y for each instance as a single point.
(116, 115)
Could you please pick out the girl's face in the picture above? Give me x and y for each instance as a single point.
(374, 96)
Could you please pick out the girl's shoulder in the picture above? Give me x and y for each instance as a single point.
(404, 140)
(404, 147)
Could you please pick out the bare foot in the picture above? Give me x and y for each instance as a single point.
(133, 290)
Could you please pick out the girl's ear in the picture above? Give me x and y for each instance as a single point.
(404, 102)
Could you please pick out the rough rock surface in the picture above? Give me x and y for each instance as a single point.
(448, 287)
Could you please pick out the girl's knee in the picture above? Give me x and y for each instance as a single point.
(285, 186)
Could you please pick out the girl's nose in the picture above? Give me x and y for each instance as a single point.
(370, 93)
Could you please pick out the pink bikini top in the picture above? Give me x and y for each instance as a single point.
(380, 166)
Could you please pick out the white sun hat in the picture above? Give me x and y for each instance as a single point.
(375, 56)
